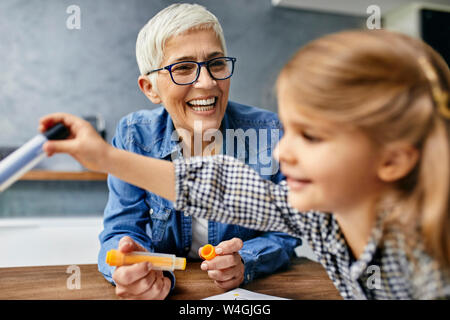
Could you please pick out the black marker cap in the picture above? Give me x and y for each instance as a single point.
(57, 132)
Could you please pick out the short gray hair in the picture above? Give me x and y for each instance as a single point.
(169, 22)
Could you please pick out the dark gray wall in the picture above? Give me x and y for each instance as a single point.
(45, 67)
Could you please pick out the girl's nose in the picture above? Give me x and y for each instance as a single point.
(283, 153)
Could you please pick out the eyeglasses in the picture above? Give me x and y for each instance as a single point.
(187, 72)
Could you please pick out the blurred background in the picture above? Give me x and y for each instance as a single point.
(91, 71)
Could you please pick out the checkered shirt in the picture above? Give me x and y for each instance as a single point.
(224, 189)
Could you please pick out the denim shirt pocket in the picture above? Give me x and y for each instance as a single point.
(159, 214)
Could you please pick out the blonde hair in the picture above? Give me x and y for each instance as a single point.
(171, 21)
(393, 87)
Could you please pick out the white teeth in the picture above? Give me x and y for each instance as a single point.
(202, 108)
(203, 102)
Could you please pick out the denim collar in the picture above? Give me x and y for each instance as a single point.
(169, 146)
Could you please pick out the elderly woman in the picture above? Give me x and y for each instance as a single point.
(184, 66)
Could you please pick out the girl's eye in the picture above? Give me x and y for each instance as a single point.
(310, 137)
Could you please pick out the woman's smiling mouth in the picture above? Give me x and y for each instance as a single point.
(203, 106)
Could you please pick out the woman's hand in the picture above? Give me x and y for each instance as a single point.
(84, 144)
(227, 268)
(139, 281)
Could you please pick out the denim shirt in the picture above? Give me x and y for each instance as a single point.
(249, 134)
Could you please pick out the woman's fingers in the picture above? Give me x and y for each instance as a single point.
(221, 262)
(229, 246)
(154, 286)
(227, 257)
(126, 275)
(127, 244)
(137, 287)
(229, 284)
(226, 247)
(139, 281)
(223, 274)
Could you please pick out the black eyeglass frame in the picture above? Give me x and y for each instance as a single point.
(199, 66)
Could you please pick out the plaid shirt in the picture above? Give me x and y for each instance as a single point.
(224, 189)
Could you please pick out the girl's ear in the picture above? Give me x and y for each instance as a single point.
(147, 88)
(397, 161)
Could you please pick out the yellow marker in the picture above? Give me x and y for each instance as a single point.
(160, 261)
(208, 252)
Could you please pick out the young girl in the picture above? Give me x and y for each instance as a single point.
(365, 153)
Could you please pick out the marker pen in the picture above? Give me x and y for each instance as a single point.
(26, 157)
(160, 261)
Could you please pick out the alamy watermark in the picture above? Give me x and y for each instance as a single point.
(374, 19)
(374, 280)
(252, 146)
(73, 21)
(74, 280)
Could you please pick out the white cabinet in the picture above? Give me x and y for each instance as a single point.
(49, 241)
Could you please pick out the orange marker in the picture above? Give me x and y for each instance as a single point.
(160, 261)
(207, 252)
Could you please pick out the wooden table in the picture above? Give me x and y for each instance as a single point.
(303, 280)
